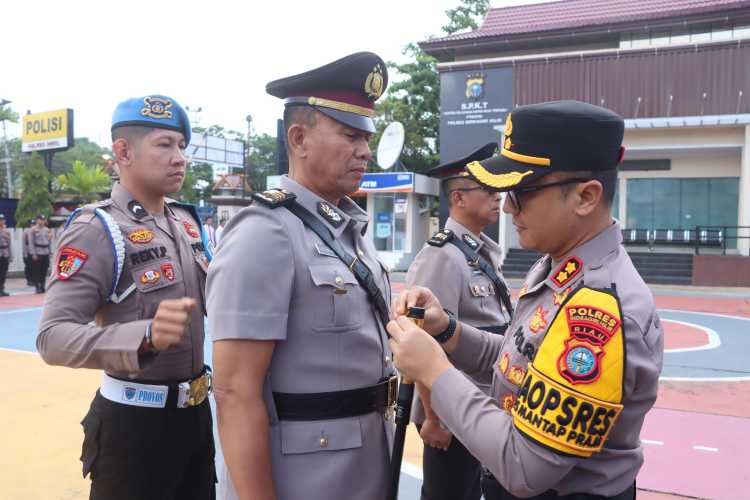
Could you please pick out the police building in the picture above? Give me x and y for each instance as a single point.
(678, 71)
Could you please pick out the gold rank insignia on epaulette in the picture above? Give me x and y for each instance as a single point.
(572, 392)
(274, 198)
(440, 238)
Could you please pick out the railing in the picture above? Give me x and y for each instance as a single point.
(700, 236)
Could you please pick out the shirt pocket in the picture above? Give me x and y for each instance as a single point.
(320, 435)
(155, 282)
(337, 300)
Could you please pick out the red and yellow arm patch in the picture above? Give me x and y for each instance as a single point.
(571, 396)
(69, 261)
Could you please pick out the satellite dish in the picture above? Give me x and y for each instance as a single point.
(390, 145)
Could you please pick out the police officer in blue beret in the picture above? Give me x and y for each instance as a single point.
(127, 297)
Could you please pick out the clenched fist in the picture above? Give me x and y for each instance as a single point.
(170, 322)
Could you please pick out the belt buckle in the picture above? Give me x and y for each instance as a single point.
(194, 392)
(390, 408)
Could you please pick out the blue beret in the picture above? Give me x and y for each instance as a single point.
(152, 111)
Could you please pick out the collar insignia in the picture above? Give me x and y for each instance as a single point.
(440, 238)
(470, 241)
(330, 214)
(156, 107)
(137, 210)
(567, 271)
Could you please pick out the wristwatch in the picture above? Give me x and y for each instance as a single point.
(447, 334)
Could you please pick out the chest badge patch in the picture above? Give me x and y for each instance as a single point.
(559, 298)
(516, 374)
(330, 214)
(590, 329)
(190, 229)
(504, 363)
(141, 236)
(524, 289)
(538, 321)
(168, 271)
(508, 401)
(567, 271)
(69, 262)
(150, 277)
(137, 210)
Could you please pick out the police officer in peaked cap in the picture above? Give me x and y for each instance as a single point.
(6, 254)
(297, 302)
(578, 368)
(461, 266)
(127, 297)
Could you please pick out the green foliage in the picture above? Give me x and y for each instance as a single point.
(219, 131)
(85, 151)
(413, 96)
(84, 182)
(7, 114)
(261, 160)
(466, 15)
(35, 198)
(198, 184)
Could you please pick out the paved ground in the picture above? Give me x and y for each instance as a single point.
(695, 440)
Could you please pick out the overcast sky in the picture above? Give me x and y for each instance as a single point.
(217, 54)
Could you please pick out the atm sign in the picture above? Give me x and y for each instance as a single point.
(50, 130)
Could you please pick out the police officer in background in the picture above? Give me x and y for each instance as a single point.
(449, 265)
(578, 370)
(39, 241)
(304, 380)
(135, 264)
(25, 252)
(6, 254)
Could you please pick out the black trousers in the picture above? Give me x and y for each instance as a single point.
(450, 475)
(39, 269)
(149, 453)
(27, 268)
(495, 491)
(3, 272)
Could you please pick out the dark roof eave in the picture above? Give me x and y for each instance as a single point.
(436, 46)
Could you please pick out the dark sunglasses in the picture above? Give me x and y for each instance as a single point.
(515, 195)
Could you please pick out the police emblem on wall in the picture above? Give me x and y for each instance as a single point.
(374, 82)
(156, 107)
(475, 86)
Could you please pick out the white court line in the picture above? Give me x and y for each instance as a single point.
(714, 340)
(705, 448)
(650, 441)
(706, 313)
(19, 351)
(16, 311)
(412, 470)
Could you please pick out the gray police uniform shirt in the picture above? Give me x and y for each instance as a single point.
(486, 426)
(462, 289)
(5, 244)
(163, 258)
(274, 279)
(39, 241)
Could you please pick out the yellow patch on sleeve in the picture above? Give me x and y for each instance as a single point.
(571, 396)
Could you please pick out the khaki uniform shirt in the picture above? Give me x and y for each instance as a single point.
(274, 279)
(25, 242)
(462, 289)
(5, 244)
(520, 464)
(164, 259)
(39, 241)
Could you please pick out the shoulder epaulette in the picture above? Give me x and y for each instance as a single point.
(440, 238)
(274, 198)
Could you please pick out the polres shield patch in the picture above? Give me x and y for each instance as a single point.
(69, 262)
(190, 229)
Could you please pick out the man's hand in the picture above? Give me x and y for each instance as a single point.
(170, 322)
(34, 258)
(435, 318)
(434, 435)
(415, 353)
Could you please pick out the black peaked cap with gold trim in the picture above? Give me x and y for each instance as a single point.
(457, 168)
(345, 90)
(553, 136)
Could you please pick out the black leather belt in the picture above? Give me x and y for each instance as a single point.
(497, 330)
(337, 404)
(493, 490)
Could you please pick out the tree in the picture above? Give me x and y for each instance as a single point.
(198, 184)
(84, 182)
(84, 151)
(261, 160)
(35, 199)
(6, 115)
(413, 96)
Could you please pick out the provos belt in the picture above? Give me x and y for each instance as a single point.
(571, 395)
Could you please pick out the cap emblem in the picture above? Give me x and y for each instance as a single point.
(374, 82)
(156, 107)
(497, 181)
(508, 125)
